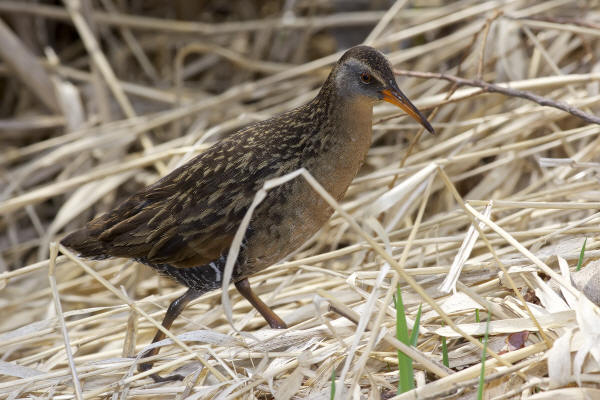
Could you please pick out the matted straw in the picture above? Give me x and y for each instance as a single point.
(497, 205)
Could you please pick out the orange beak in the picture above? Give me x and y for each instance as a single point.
(397, 98)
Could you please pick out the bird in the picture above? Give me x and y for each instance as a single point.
(183, 224)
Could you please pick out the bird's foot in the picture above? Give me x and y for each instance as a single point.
(169, 378)
(156, 377)
(274, 320)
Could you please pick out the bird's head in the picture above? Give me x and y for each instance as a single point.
(363, 73)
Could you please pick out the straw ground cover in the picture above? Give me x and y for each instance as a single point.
(490, 215)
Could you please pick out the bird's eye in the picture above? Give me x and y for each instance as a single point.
(365, 78)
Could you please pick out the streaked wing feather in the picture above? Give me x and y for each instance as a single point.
(189, 217)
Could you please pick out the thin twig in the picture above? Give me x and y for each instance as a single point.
(493, 88)
(61, 318)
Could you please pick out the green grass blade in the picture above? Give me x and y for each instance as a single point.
(405, 366)
(483, 356)
(477, 318)
(332, 396)
(581, 254)
(445, 352)
(414, 335)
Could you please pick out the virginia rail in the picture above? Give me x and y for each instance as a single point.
(183, 224)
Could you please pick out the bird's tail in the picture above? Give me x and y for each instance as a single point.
(85, 244)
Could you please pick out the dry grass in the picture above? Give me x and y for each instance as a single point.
(499, 202)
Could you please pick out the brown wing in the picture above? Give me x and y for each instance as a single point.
(189, 217)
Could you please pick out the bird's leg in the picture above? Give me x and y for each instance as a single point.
(175, 308)
(243, 286)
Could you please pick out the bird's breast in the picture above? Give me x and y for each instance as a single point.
(345, 149)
